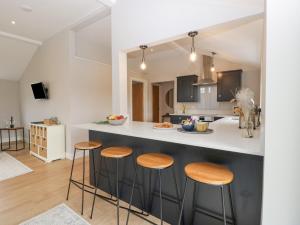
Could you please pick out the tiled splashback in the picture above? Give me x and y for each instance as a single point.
(207, 102)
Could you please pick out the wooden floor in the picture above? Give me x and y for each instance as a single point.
(26, 196)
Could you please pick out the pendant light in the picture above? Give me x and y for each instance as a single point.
(193, 54)
(212, 68)
(143, 65)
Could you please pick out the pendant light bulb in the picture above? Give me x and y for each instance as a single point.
(143, 65)
(212, 69)
(193, 55)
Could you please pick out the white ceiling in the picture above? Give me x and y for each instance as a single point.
(47, 18)
(241, 43)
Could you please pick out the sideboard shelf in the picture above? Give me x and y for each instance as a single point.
(47, 142)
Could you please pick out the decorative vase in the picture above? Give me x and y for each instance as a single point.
(248, 126)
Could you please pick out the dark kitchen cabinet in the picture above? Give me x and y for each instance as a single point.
(186, 91)
(228, 83)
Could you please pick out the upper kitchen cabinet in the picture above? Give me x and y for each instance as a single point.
(228, 83)
(186, 91)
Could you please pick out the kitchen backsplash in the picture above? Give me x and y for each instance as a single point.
(207, 102)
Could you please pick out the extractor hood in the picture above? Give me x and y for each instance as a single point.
(206, 80)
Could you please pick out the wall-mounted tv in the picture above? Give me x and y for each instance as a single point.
(39, 91)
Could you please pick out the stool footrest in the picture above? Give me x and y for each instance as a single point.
(212, 214)
(77, 183)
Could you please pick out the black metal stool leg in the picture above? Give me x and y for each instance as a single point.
(96, 185)
(223, 204)
(131, 196)
(71, 174)
(141, 192)
(177, 188)
(83, 174)
(160, 197)
(231, 205)
(182, 202)
(150, 194)
(195, 196)
(108, 177)
(117, 190)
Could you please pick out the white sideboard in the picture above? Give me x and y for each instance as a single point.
(47, 142)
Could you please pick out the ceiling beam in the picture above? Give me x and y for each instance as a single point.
(108, 3)
(20, 38)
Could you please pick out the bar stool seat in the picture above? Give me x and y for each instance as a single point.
(155, 160)
(209, 173)
(116, 152)
(88, 145)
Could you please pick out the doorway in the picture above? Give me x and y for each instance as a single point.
(155, 103)
(137, 101)
(162, 101)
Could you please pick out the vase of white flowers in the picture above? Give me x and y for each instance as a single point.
(245, 100)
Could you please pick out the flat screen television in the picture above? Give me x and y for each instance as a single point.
(39, 91)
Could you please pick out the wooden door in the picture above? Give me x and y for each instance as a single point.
(137, 101)
(155, 103)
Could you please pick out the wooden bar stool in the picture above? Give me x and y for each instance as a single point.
(116, 153)
(153, 161)
(211, 174)
(83, 146)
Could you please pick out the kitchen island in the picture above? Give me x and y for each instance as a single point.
(244, 156)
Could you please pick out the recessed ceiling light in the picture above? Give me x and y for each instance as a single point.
(13, 22)
(26, 8)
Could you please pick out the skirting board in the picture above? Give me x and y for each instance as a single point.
(79, 154)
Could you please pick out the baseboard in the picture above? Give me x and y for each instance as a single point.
(79, 154)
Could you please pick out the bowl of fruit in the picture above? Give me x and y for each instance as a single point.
(116, 119)
(188, 124)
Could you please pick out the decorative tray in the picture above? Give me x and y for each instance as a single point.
(208, 131)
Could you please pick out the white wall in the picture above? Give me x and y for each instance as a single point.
(79, 89)
(9, 104)
(132, 26)
(282, 153)
(90, 96)
(50, 64)
(94, 41)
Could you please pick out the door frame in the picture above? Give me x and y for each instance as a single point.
(145, 97)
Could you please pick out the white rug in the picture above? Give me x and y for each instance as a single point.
(10, 167)
(59, 215)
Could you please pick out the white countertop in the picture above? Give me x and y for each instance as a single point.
(226, 136)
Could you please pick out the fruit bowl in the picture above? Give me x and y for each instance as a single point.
(188, 125)
(116, 119)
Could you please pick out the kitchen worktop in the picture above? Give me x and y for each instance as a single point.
(226, 136)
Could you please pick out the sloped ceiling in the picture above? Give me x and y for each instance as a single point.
(14, 57)
(38, 22)
(240, 42)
